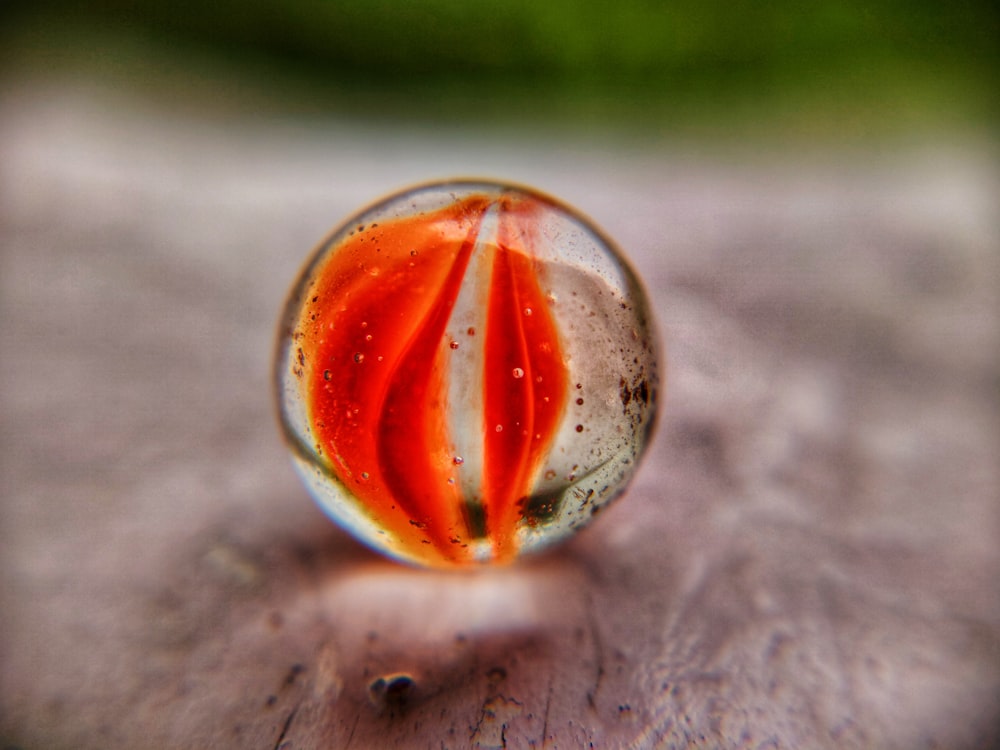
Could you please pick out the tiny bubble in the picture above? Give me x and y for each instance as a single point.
(453, 345)
(499, 428)
(471, 331)
(413, 253)
(518, 372)
(579, 402)
(368, 337)
(527, 311)
(359, 357)
(458, 460)
(579, 428)
(327, 375)
(364, 474)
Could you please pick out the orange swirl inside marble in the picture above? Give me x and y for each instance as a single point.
(434, 375)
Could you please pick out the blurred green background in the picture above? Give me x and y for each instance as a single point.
(829, 70)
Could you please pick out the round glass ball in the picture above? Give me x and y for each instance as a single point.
(466, 372)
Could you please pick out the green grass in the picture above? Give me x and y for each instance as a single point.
(829, 71)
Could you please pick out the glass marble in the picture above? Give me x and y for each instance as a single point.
(466, 372)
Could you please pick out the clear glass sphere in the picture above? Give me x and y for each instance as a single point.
(466, 372)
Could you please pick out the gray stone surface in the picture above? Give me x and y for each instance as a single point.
(808, 559)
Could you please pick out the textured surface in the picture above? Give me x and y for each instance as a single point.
(808, 558)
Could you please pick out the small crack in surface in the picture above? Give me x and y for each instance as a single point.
(285, 728)
(595, 636)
